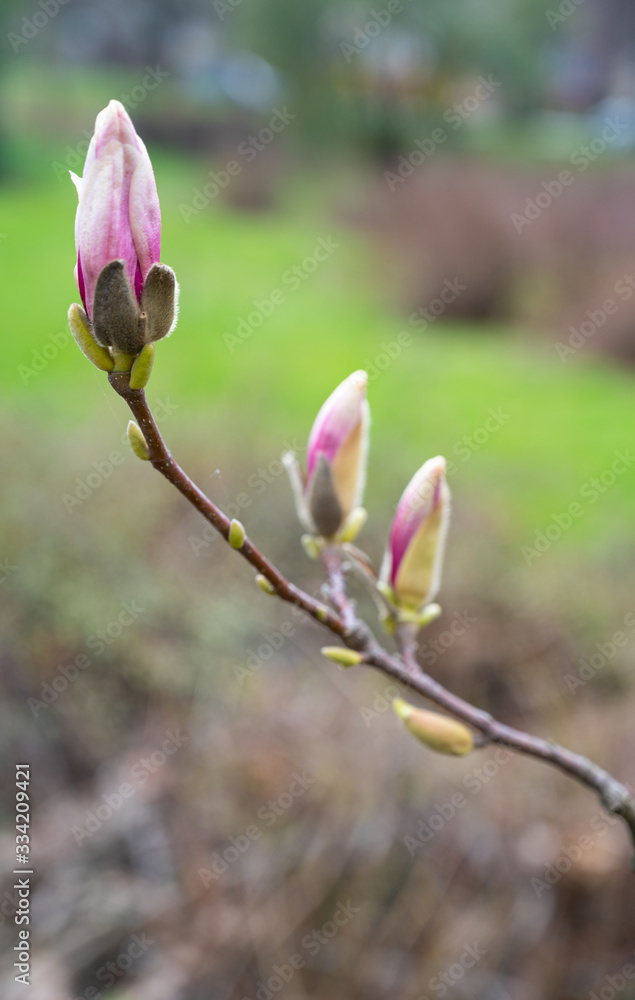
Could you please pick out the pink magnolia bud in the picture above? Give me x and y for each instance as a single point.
(336, 455)
(331, 492)
(413, 560)
(128, 296)
(118, 216)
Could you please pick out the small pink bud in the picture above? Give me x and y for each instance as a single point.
(333, 486)
(336, 455)
(413, 560)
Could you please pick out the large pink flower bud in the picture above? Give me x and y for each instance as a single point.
(411, 571)
(330, 493)
(128, 296)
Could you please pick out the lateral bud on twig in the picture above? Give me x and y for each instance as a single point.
(264, 584)
(236, 536)
(83, 336)
(311, 546)
(437, 732)
(345, 657)
(353, 524)
(137, 441)
(142, 367)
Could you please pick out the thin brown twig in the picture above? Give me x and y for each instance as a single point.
(354, 633)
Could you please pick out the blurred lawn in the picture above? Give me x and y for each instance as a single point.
(562, 423)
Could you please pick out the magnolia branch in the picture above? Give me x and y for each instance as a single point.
(342, 621)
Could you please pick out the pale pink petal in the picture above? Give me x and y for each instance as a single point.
(112, 124)
(103, 222)
(336, 419)
(145, 214)
(420, 497)
(118, 215)
(79, 278)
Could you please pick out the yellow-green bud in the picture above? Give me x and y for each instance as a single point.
(429, 614)
(123, 362)
(339, 654)
(311, 546)
(236, 537)
(142, 367)
(438, 732)
(352, 525)
(264, 584)
(83, 335)
(137, 441)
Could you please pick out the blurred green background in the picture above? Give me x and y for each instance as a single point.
(425, 147)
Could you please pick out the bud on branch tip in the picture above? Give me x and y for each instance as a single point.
(130, 298)
(411, 570)
(329, 494)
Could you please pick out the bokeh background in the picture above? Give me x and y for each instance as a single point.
(218, 813)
